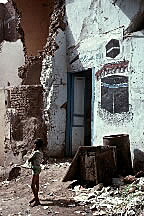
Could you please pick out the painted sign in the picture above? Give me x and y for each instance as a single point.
(112, 68)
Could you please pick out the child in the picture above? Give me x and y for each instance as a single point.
(35, 161)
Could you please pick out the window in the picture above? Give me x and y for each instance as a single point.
(114, 94)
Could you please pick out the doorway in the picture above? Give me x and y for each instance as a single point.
(78, 111)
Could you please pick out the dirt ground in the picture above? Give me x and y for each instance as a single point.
(56, 197)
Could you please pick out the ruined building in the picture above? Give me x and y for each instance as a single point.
(71, 72)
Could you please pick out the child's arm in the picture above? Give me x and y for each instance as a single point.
(33, 157)
(30, 160)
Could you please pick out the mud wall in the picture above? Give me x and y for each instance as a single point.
(90, 44)
(41, 28)
(27, 100)
(23, 121)
(45, 52)
(36, 31)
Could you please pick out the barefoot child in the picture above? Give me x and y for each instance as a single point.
(35, 161)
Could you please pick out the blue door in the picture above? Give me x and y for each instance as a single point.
(79, 111)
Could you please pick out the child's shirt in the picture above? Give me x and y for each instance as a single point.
(37, 158)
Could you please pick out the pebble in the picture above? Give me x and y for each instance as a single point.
(45, 207)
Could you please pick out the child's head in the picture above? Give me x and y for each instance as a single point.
(39, 143)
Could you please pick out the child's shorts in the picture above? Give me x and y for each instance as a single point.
(36, 170)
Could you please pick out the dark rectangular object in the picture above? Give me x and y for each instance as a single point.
(122, 143)
(93, 165)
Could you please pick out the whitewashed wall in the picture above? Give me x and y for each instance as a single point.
(91, 24)
(54, 81)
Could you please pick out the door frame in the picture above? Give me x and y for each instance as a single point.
(70, 103)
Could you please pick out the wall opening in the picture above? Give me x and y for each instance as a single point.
(35, 21)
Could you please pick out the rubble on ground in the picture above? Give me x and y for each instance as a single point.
(120, 199)
(127, 199)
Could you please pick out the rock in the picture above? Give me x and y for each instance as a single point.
(14, 173)
(71, 205)
(98, 187)
(102, 212)
(77, 212)
(27, 212)
(139, 174)
(91, 196)
(131, 212)
(129, 179)
(54, 180)
(45, 207)
(132, 189)
(141, 181)
(93, 207)
(96, 213)
(141, 188)
(72, 184)
(117, 182)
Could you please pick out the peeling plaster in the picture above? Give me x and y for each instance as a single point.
(109, 22)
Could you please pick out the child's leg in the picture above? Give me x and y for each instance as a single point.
(33, 185)
(37, 187)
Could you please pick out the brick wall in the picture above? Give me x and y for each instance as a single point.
(27, 100)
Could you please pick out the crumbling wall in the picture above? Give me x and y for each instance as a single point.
(41, 26)
(54, 81)
(24, 116)
(27, 100)
(34, 29)
(47, 22)
(24, 121)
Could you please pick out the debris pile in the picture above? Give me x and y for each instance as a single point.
(127, 199)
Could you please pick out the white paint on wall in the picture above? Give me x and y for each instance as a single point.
(76, 11)
(89, 30)
(3, 1)
(91, 25)
(54, 81)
